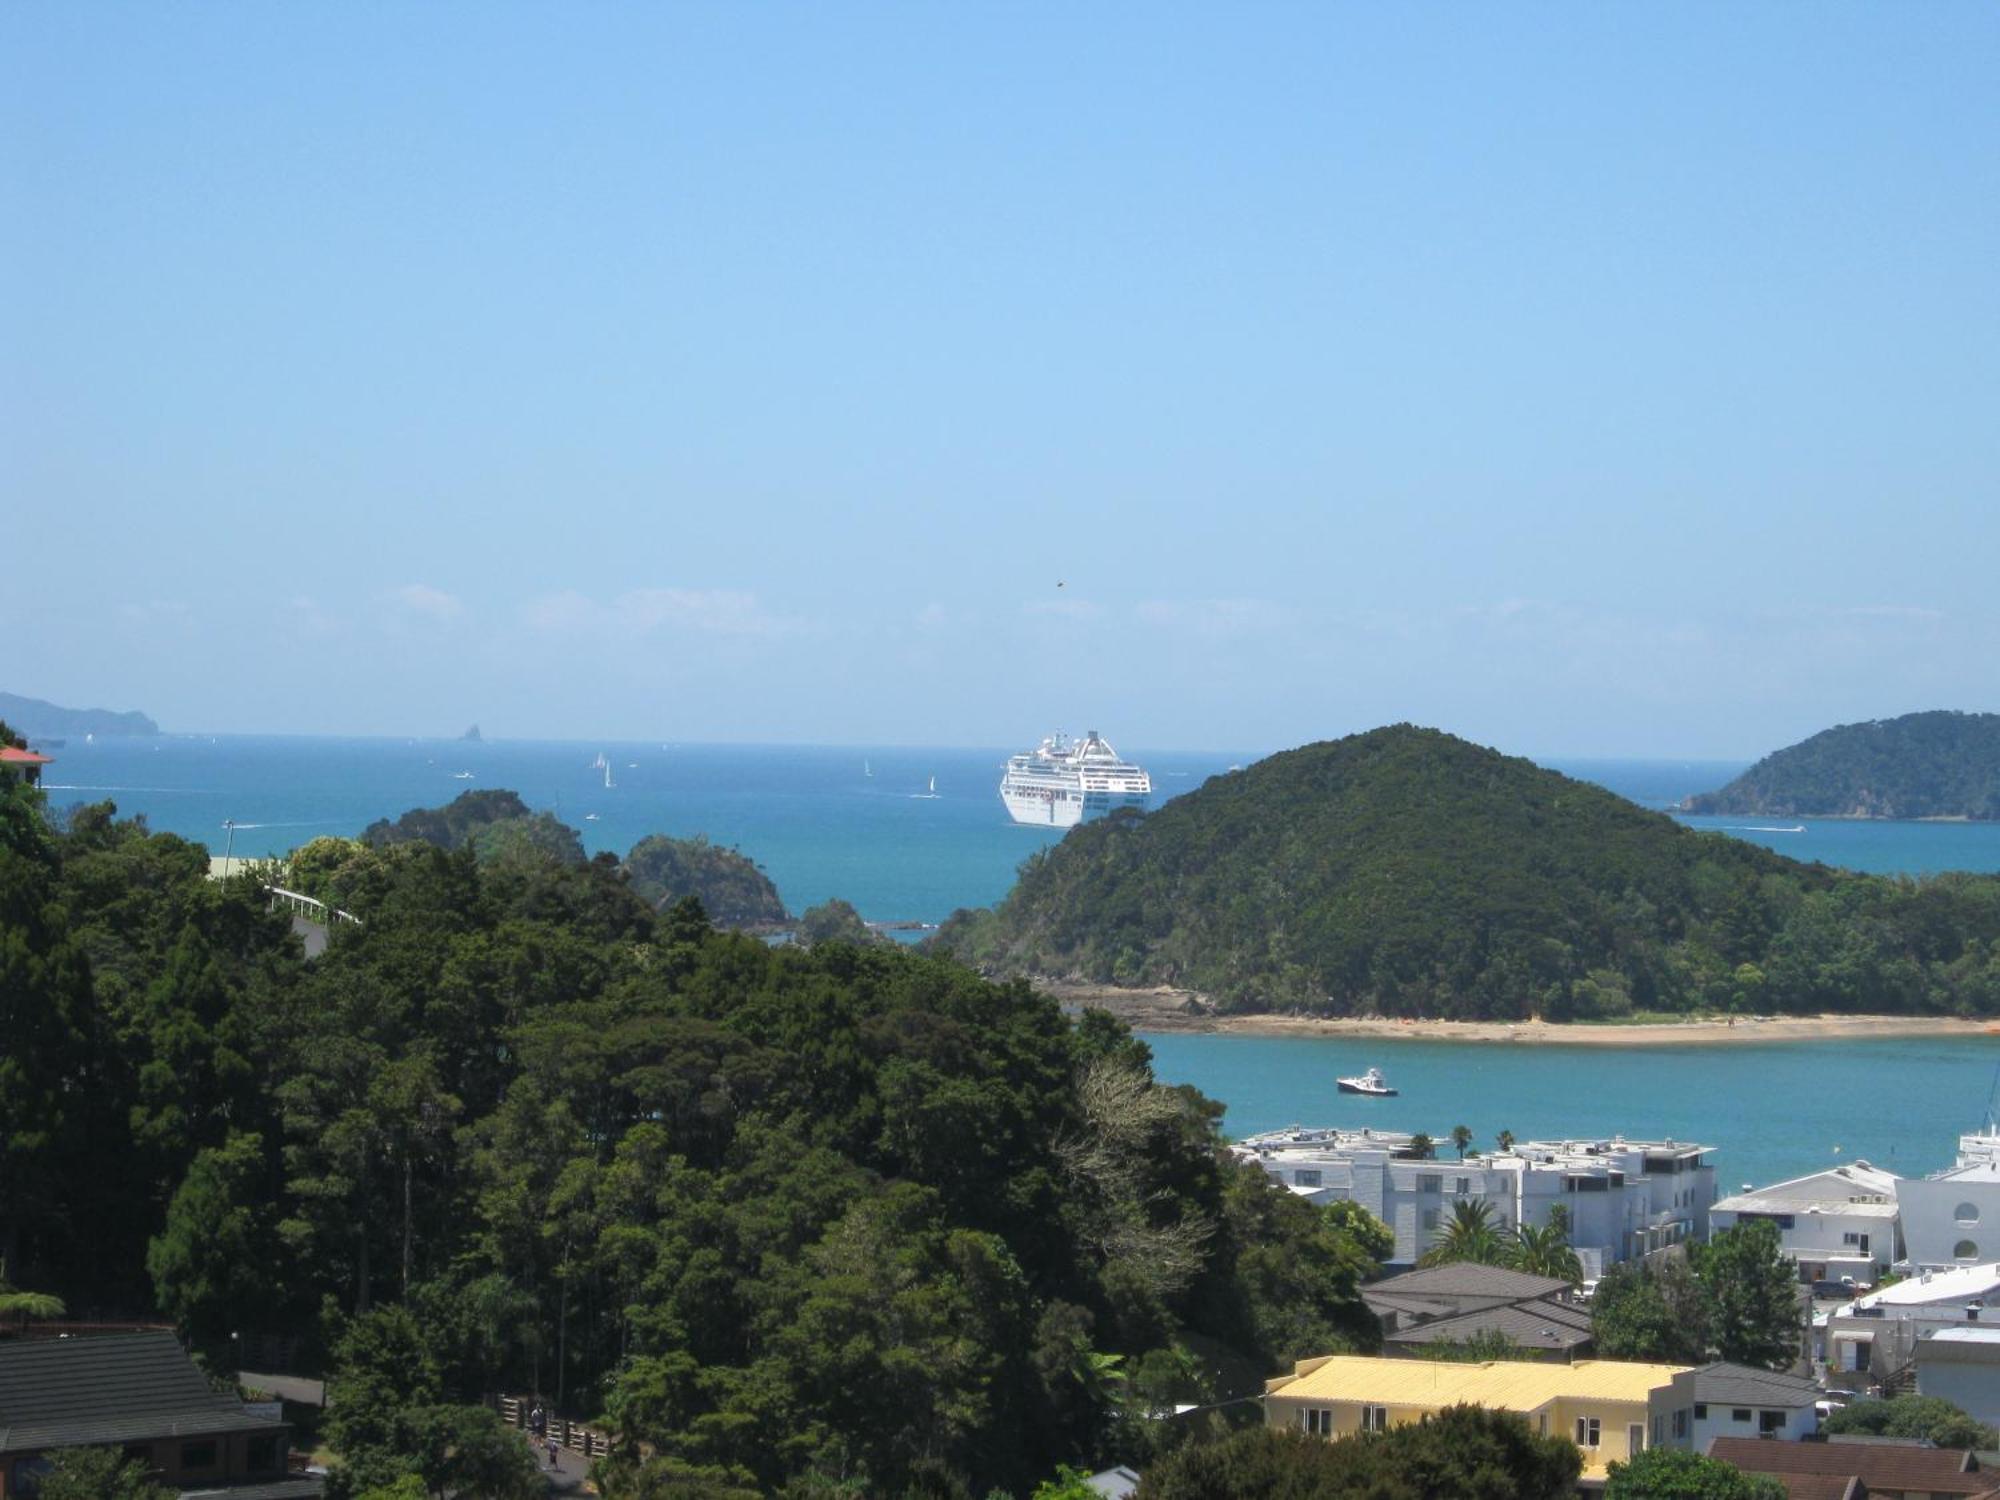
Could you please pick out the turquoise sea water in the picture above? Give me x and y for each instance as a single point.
(1772, 1110)
(821, 827)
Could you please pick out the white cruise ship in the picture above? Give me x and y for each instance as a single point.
(1061, 782)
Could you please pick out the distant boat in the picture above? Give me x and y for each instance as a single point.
(929, 794)
(866, 769)
(607, 775)
(600, 763)
(1371, 1083)
(590, 817)
(462, 776)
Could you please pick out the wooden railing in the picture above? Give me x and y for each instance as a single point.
(577, 1437)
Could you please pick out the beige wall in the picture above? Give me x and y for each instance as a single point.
(1557, 1419)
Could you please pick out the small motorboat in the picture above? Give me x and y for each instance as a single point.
(1371, 1082)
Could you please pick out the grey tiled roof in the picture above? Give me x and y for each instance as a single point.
(1465, 1279)
(302, 1488)
(1724, 1384)
(1532, 1325)
(66, 1393)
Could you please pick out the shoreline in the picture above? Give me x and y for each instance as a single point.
(1184, 1011)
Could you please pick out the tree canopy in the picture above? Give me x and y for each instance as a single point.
(1462, 1453)
(1675, 1474)
(1912, 1416)
(780, 1217)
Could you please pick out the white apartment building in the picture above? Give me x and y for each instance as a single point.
(1840, 1222)
(1625, 1198)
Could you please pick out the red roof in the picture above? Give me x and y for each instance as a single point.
(12, 756)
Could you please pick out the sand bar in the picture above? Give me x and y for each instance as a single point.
(1184, 1010)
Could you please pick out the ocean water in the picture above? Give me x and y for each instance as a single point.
(1771, 1110)
(820, 826)
(815, 818)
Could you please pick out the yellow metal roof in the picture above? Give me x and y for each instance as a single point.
(1510, 1385)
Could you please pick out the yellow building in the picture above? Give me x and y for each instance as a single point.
(1610, 1409)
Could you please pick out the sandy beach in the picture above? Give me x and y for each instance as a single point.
(1183, 1010)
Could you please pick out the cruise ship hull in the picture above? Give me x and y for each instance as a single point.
(1047, 807)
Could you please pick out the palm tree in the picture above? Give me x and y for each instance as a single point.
(1506, 1140)
(21, 1306)
(1471, 1235)
(1461, 1137)
(1546, 1252)
(1422, 1147)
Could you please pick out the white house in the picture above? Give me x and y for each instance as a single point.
(1870, 1339)
(1840, 1222)
(1741, 1401)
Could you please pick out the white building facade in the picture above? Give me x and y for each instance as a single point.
(1840, 1222)
(1872, 1338)
(1625, 1199)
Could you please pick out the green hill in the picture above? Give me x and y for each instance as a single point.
(1406, 872)
(1942, 764)
(731, 888)
(496, 824)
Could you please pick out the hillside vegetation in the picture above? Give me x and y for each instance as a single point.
(729, 885)
(1406, 872)
(836, 1222)
(1931, 765)
(497, 825)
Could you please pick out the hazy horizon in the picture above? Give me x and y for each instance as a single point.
(1614, 383)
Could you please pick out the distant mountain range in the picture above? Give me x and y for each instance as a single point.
(1941, 764)
(41, 720)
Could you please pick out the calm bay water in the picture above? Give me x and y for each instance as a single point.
(1772, 1110)
(822, 826)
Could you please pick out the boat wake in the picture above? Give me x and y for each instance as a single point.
(1762, 828)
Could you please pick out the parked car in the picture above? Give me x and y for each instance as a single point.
(1836, 1290)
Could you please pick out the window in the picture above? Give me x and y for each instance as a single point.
(1739, 1414)
(1770, 1421)
(199, 1455)
(1701, 1411)
(1374, 1419)
(1965, 1250)
(1850, 1238)
(1586, 1432)
(261, 1455)
(1430, 1182)
(1635, 1438)
(1430, 1218)
(1306, 1176)
(1681, 1420)
(1318, 1421)
(1462, 1185)
(1966, 1213)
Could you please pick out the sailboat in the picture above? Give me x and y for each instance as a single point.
(929, 794)
(607, 775)
(866, 769)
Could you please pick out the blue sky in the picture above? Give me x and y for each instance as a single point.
(1588, 380)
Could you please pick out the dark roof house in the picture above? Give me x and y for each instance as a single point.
(1460, 1301)
(1887, 1471)
(138, 1392)
(1725, 1384)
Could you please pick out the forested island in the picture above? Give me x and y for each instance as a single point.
(36, 718)
(497, 826)
(1942, 764)
(832, 1222)
(1405, 872)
